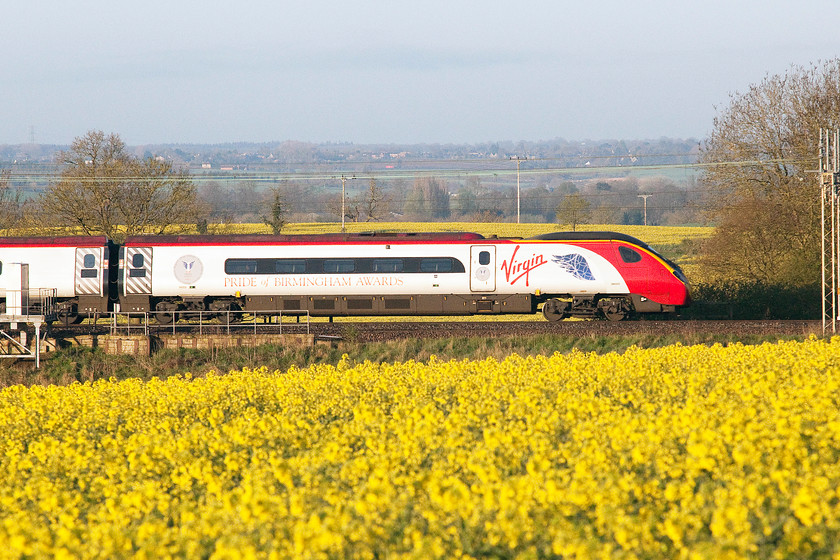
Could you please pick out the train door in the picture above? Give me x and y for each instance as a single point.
(483, 268)
(137, 271)
(90, 276)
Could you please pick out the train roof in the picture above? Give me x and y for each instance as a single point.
(262, 239)
(447, 236)
(588, 236)
(58, 241)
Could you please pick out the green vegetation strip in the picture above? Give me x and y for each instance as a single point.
(81, 365)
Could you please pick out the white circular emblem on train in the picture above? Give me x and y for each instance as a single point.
(188, 269)
(482, 273)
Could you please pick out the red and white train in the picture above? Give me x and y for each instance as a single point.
(584, 274)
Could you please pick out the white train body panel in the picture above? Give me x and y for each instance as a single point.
(555, 268)
(194, 271)
(378, 273)
(70, 270)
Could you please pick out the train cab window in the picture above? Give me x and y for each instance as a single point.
(339, 265)
(484, 258)
(137, 260)
(241, 266)
(436, 265)
(388, 265)
(628, 255)
(289, 266)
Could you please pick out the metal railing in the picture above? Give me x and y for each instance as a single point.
(33, 302)
(24, 347)
(206, 322)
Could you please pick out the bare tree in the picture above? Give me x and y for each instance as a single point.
(11, 202)
(375, 203)
(217, 202)
(765, 204)
(574, 210)
(352, 207)
(428, 198)
(104, 190)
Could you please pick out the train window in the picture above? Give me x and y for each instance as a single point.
(89, 273)
(137, 260)
(241, 266)
(289, 266)
(1, 267)
(628, 255)
(388, 265)
(89, 261)
(436, 265)
(339, 265)
(484, 258)
(136, 272)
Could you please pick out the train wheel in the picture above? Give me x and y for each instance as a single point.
(614, 315)
(614, 309)
(68, 315)
(165, 312)
(234, 315)
(555, 310)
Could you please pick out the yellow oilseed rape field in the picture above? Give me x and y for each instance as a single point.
(677, 452)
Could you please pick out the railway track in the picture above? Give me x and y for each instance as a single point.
(375, 332)
(383, 331)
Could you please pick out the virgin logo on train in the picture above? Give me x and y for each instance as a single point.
(515, 270)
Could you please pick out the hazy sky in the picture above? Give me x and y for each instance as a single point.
(408, 72)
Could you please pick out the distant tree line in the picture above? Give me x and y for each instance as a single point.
(103, 188)
(431, 198)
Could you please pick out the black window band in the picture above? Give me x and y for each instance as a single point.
(362, 265)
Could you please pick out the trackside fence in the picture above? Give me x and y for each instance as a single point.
(209, 322)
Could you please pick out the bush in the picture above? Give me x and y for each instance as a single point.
(755, 300)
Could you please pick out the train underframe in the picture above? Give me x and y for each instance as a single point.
(554, 307)
(610, 307)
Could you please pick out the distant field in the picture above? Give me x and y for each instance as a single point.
(653, 235)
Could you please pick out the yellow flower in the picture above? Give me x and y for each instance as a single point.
(689, 452)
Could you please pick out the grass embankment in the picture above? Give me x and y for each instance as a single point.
(82, 364)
